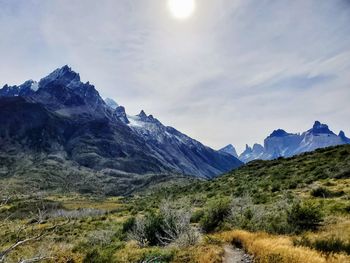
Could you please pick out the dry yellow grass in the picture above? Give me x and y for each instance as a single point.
(338, 227)
(204, 253)
(278, 249)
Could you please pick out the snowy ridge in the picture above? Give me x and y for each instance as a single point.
(107, 136)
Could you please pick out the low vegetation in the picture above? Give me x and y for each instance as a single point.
(287, 210)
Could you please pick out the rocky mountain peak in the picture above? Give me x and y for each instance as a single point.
(63, 76)
(343, 137)
(230, 149)
(142, 115)
(278, 133)
(121, 114)
(319, 128)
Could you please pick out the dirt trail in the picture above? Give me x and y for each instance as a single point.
(235, 255)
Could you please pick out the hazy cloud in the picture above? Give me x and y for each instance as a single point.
(232, 73)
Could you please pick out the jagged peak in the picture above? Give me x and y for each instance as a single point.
(278, 133)
(229, 146)
(121, 114)
(142, 114)
(120, 109)
(320, 128)
(258, 146)
(343, 137)
(230, 149)
(64, 73)
(317, 124)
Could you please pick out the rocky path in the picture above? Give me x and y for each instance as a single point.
(235, 255)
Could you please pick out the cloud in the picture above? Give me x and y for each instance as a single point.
(230, 74)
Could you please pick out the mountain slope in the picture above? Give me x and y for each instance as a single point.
(264, 180)
(230, 150)
(60, 115)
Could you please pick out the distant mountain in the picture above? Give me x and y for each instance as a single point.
(229, 149)
(62, 116)
(283, 144)
(251, 154)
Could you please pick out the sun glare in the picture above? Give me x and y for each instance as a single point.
(181, 9)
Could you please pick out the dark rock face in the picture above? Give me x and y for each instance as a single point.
(63, 116)
(121, 114)
(279, 133)
(320, 128)
(22, 90)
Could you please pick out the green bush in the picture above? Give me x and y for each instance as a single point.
(215, 215)
(321, 192)
(332, 245)
(153, 228)
(128, 224)
(325, 193)
(304, 216)
(95, 256)
(197, 216)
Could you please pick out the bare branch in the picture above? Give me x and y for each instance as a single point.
(4, 253)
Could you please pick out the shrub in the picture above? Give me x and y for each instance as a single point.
(176, 226)
(332, 245)
(170, 226)
(215, 215)
(100, 237)
(321, 192)
(325, 193)
(146, 230)
(196, 216)
(95, 256)
(304, 216)
(128, 224)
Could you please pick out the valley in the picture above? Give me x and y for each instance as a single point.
(260, 208)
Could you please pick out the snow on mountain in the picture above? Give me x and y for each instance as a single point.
(25, 89)
(99, 134)
(283, 144)
(111, 103)
(185, 154)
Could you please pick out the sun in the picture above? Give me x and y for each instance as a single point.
(181, 9)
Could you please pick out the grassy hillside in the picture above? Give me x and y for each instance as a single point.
(286, 210)
(265, 181)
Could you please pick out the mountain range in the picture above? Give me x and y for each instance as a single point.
(283, 144)
(63, 119)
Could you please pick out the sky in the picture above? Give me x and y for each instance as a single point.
(232, 72)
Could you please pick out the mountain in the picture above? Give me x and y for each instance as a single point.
(63, 117)
(230, 150)
(283, 144)
(252, 153)
(111, 103)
